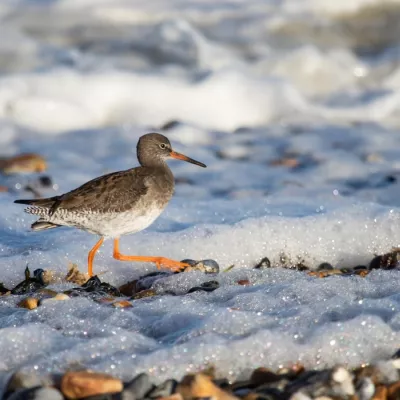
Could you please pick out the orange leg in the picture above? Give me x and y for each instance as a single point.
(166, 262)
(91, 255)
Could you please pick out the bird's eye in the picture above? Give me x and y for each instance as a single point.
(162, 146)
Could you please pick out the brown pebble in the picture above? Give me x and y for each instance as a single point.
(48, 277)
(23, 163)
(29, 302)
(362, 273)
(106, 300)
(263, 375)
(144, 293)
(79, 384)
(128, 289)
(199, 386)
(324, 274)
(380, 393)
(394, 391)
(243, 282)
(122, 304)
(251, 396)
(369, 371)
(3, 188)
(75, 276)
(176, 396)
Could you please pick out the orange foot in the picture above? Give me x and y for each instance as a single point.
(175, 266)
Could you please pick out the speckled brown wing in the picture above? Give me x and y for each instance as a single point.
(117, 191)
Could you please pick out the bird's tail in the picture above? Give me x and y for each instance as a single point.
(41, 207)
(45, 203)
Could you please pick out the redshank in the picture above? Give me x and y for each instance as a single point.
(118, 203)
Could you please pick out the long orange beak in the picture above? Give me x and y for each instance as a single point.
(180, 156)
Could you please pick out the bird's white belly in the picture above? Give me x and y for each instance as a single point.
(115, 224)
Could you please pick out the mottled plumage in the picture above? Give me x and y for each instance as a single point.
(118, 203)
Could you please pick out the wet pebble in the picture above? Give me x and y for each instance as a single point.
(37, 393)
(27, 380)
(29, 303)
(365, 389)
(81, 384)
(386, 261)
(165, 389)
(4, 290)
(129, 288)
(57, 297)
(205, 287)
(139, 386)
(206, 266)
(122, 304)
(95, 287)
(144, 293)
(30, 284)
(325, 266)
(264, 263)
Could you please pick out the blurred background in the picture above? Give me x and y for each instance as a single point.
(292, 104)
(315, 78)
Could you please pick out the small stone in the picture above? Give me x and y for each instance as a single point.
(205, 287)
(48, 277)
(326, 273)
(57, 297)
(79, 384)
(129, 288)
(27, 380)
(264, 263)
(396, 355)
(176, 396)
(29, 302)
(394, 391)
(344, 379)
(325, 266)
(365, 388)
(380, 393)
(243, 282)
(37, 393)
(386, 261)
(139, 386)
(206, 266)
(196, 386)
(27, 286)
(75, 276)
(144, 293)
(4, 290)
(189, 261)
(122, 304)
(261, 376)
(165, 389)
(299, 396)
(371, 372)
